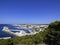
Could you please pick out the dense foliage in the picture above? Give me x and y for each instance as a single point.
(53, 36)
(28, 39)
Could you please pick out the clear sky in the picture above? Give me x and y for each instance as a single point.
(29, 11)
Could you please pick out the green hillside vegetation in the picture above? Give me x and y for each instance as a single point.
(53, 36)
(28, 39)
(50, 36)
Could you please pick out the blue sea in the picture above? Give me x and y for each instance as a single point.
(4, 34)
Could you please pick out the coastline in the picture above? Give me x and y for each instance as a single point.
(5, 38)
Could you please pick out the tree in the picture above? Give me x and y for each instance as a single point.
(53, 36)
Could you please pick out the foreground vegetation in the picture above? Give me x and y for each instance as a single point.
(50, 36)
(53, 36)
(28, 40)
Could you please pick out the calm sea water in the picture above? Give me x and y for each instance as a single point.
(4, 34)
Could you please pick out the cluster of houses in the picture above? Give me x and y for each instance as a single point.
(25, 29)
(41, 27)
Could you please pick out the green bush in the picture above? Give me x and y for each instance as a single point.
(53, 36)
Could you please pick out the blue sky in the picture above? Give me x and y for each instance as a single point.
(29, 11)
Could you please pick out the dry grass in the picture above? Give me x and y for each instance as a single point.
(32, 44)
